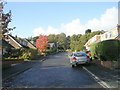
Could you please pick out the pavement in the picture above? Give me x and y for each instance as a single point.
(110, 76)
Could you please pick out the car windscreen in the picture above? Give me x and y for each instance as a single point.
(79, 54)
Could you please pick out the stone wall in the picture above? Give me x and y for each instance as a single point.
(108, 64)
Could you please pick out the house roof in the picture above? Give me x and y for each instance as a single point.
(33, 46)
(17, 41)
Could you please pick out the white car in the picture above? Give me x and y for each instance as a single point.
(79, 58)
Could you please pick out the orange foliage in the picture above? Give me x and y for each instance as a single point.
(42, 43)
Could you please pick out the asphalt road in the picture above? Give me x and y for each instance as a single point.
(54, 72)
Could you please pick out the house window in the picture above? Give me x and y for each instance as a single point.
(20, 42)
(105, 35)
(110, 35)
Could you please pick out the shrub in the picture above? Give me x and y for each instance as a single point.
(12, 53)
(51, 50)
(93, 50)
(28, 54)
(21, 54)
(106, 50)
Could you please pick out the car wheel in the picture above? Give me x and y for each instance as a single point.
(88, 64)
(73, 66)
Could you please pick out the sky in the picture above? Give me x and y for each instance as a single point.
(35, 18)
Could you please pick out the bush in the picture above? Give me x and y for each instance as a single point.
(106, 50)
(12, 53)
(28, 54)
(51, 50)
(93, 50)
(21, 54)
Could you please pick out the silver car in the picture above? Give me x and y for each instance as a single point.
(79, 58)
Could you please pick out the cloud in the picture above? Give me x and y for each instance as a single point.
(74, 27)
(49, 30)
(107, 21)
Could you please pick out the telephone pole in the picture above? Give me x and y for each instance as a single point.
(1, 11)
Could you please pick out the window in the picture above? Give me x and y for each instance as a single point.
(106, 35)
(79, 54)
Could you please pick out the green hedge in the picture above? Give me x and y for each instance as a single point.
(93, 50)
(21, 54)
(108, 50)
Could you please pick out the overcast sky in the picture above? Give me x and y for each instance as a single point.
(34, 18)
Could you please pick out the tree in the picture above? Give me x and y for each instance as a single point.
(88, 31)
(52, 38)
(42, 43)
(61, 39)
(75, 42)
(78, 41)
(5, 20)
(68, 42)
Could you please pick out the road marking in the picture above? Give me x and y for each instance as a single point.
(102, 83)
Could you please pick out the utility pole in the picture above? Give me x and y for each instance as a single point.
(1, 11)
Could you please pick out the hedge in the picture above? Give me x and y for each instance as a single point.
(93, 50)
(108, 50)
(21, 54)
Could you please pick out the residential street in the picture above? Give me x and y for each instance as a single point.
(54, 72)
(52, 45)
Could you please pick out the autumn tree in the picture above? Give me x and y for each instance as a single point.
(42, 43)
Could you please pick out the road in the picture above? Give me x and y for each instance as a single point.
(54, 72)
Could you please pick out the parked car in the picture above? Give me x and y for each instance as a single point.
(79, 58)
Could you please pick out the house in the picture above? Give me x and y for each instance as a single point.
(6, 47)
(95, 39)
(30, 45)
(51, 45)
(22, 42)
(33, 42)
(111, 34)
(12, 41)
(118, 37)
(18, 42)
